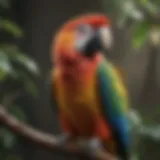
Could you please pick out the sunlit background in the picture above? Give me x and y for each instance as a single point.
(26, 31)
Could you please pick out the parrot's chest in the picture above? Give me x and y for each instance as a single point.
(80, 105)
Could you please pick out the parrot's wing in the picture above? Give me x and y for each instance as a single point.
(115, 103)
(50, 89)
(120, 72)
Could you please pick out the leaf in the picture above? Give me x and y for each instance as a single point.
(135, 119)
(134, 157)
(132, 10)
(28, 83)
(27, 62)
(8, 139)
(5, 65)
(11, 27)
(20, 58)
(129, 12)
(30, 88)
(17, 112)
(23, 65)
(4, 3)
(151, 6)
(141, 34)
(153, 132)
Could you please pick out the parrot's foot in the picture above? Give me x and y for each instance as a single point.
(63, 139)
(92, 146)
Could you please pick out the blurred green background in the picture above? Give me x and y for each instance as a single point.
(26, 30)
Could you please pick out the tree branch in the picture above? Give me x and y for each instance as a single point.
(45, 140)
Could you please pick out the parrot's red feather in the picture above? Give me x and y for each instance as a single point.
(66, 125)
(64, 40)
(101, 130)
(95, 20)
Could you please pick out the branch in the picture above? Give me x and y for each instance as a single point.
(45, 140)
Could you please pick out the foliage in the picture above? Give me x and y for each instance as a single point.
(143, 14)
(142, 133)
(16, 76)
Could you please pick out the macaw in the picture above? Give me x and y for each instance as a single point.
(87, 90)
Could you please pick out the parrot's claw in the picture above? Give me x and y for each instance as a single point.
(92, 146)
(62, 139)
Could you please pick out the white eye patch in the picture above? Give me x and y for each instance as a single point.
(106, 37)
(83, 35)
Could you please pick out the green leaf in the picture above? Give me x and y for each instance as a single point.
(131, 9)
(134, 119)
(141, 34)
(17, 112)
(5, 65)
(153, 132)
(29, 84)
(144, 1)
(8, 139)
(4, 3)
(151, 6)
(20, 58)
(134, 157)
(27, 62)
(11, 27)
(30, 88)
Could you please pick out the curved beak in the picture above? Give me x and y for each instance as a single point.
(100, 40)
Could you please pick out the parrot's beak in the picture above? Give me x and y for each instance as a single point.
(100, 41)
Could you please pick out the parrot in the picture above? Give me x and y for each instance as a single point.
(87, 91)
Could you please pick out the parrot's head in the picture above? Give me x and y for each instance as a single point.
(80, 41)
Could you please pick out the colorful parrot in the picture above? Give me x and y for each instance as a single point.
(87, 90)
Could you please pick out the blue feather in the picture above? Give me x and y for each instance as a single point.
(113, 104)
